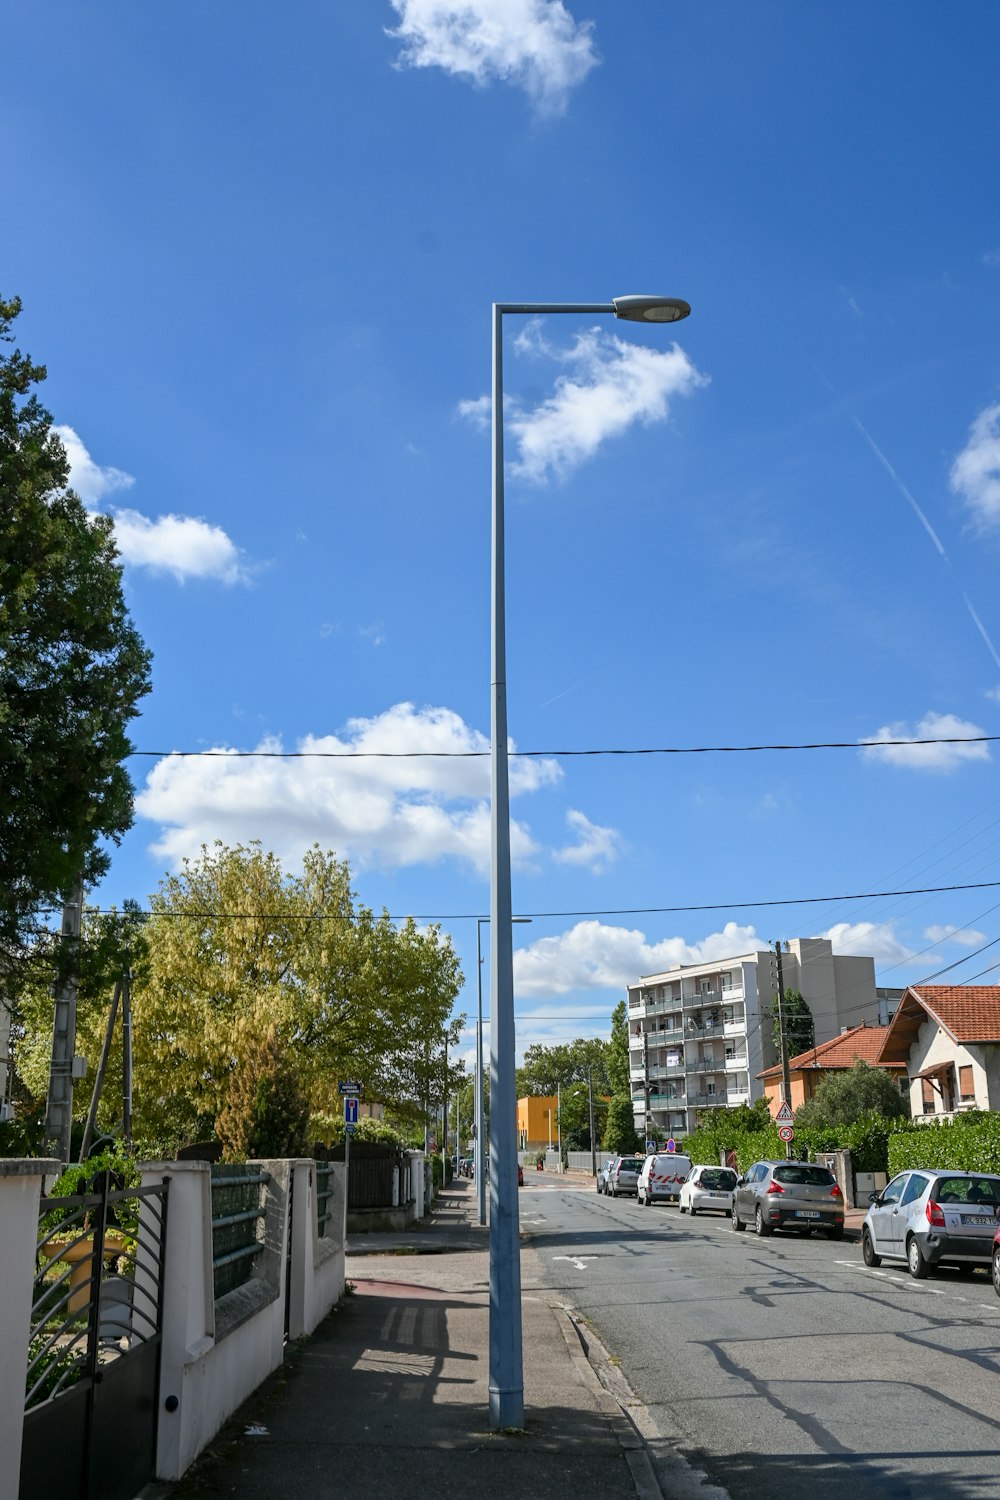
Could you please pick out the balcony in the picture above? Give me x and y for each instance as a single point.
(737, 1096)
(667, 1101)
(737, 1064)
(711, 1065)
(706, 1028)
(703, 1101)
(667, 1070)
(735, 1027)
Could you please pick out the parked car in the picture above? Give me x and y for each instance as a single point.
(788, 1195)
(602, 1174)
(661, 1178)
(932, 1218)
(995, 1265)
(707, 1188)
(623, 1175)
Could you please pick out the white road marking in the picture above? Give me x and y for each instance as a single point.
(579, 1261)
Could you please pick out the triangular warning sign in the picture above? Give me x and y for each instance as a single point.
(784, 1115)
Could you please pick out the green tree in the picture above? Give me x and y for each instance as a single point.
(72, 666)
(547, 1068)
(267, 1113)
(844, 1096)
(234, 942)
(619, 1133)
(618, 1064)
(800, 1033)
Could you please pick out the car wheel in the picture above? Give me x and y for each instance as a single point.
(739, 1225)
(915, 1260)
(761, 1227)
(996, 1271)
(868, 1251)
(692, 1210)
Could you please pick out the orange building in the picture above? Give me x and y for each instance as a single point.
(537, 1126)
(807, 1071)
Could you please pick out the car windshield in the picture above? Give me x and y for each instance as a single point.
(629, 1164)
(799, 1175)
(718, 1177)
(969, 1190)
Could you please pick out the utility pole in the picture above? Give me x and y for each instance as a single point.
(645, 1074)
(59, 1108)
(95, 1098)
(127, 1060)
(593, 1137)
(786, 1084)
(559, 1124)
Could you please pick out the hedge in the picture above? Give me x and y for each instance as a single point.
(970, 1144)
(868, 1138)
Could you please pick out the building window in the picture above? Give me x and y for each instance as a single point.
(966, 1087)
(727, 981)
(927, 1089)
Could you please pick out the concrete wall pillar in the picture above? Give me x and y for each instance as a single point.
(20, 1189)
(188, 1297)
(416, 1187)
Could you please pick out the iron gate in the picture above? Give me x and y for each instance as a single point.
(92, 1391)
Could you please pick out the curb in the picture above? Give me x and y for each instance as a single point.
(630, 1419)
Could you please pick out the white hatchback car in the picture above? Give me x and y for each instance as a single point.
(708, 1188)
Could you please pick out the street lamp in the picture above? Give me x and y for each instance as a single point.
(506, 1378)
(479, 1151)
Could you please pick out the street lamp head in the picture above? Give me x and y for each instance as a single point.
(651, 309)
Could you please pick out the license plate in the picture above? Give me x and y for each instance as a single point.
(977, 1219)
(806, 1213)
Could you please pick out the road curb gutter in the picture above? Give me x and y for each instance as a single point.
(632, 1422)
(630, 1440)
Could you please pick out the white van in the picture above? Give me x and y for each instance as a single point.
(661, 1177)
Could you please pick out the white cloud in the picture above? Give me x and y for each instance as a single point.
(379, 812)
(926, 757)
(477, 410)
(610, 385)
(90, 481)
(975, 474)
(875, 940)
(596, 956)
(596, 848)
(993, 694)
(535, 45)
(966, 937)
(991, 259)
(375, 634)
(181, 545)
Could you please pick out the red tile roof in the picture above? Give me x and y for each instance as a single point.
(971, 1012)
(861, 1043)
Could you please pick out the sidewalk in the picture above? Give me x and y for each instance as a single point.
(390, 1394)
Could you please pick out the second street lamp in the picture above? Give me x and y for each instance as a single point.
(506, 1375)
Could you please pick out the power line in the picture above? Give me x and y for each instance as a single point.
(976, 739)
(619, 911)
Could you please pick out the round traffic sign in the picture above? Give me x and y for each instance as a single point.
(671, 1144)
(786, 1133)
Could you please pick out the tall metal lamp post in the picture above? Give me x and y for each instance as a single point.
(479, 1150)
(506, 1377)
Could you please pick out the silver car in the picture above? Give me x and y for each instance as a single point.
(789, 1195)
(623, 1175)
(602, 1175)
(932, 1218)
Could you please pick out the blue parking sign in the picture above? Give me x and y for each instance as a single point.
(351, 1110)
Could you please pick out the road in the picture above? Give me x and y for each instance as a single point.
(781, 1366)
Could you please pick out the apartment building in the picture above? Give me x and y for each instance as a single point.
(699, 1034)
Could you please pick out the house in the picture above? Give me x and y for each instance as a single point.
(948, 1036)
(537, 1123)
(699, 1034)
(806, 1072)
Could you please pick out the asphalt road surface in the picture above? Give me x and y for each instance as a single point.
(781, 1366)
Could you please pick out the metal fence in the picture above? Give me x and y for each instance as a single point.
(93, 1353)
(237, 1214)
(324, 1195)
(370, 1174)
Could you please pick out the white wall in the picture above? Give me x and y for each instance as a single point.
(20, 1190)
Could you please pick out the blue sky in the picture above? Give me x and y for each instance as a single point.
(257, 248)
